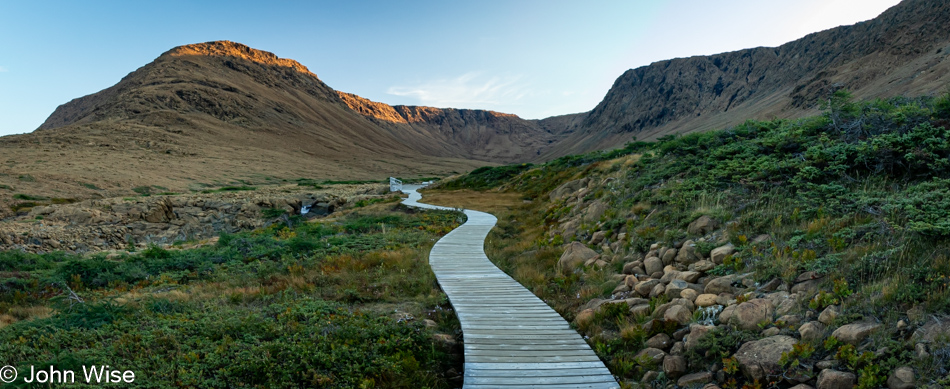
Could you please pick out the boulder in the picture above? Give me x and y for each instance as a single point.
(661, 341)
(812, 331)
(696, 333)
(694, 379)
(668, 256)
(575, 254)
(688, 254)
(828, 316)
(702, 266)
(598, 237)
(629, 267)
(689, 294)
(901, 378)
(640, 310)
(631, 281)
(678, 313)
(644, 288)
(675, 287)
(721, 285)
(652, 265)
(703, 225)
(759, 359)
(674, 366)
(595, 211)
(833, 379)
(749, 314)
(658, 290)
(649, 355)
(705, 300)
(855, 333)
(719, 254)
(688, 276)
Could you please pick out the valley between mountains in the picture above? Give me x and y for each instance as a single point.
(775, 217)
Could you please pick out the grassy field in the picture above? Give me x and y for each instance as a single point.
(347, 302)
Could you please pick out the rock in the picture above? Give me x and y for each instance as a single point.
(658, 290)
(595, 211)
(807, 276)
(661, 341)
(725, 299)
(696, 333)
(812, 331)
(802, 386)
(901, 378)
(703, 225)
(771, 286)
(652, 265)
(772, 331)
(750, 314)
(574, 255)
(688, 254)
(640, 310)
(689, 294)
(826, 364)
(678, 348)
(678, 313)
(644, 288)
(668, 256)
(705, 300)
(807, 288)
(651, 355)
(631, 281)
(759, 359)
(622, 288)
(675, 287)
(702, 266)
(828, 316)
(694, 379)
(628, 268)
(789, 320)
(855, 333)
(649, 377)
(787, 306)
(688, 276)
(719, 254)
(429, 323)
(833, 379)
(569, 187)
(600, 264)
(720, 285)
(598, 237)
(674, 366)
(920, 351)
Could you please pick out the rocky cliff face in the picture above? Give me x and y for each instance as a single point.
(481, 134)
(902, 52)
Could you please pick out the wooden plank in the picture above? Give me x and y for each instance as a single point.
(511, 338)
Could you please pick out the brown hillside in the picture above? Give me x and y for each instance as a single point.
(220, 112)
(901, 52)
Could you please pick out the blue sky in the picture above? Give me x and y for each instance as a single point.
(533, 58)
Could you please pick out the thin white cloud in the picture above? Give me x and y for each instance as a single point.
(470, 90)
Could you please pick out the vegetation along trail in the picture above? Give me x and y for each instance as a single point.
(512, 338)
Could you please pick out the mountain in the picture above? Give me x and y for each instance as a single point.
(221, 112)
(902, 52)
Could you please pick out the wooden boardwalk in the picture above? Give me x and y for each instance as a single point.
(512, 339)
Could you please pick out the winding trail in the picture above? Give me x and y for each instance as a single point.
(512, 339)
